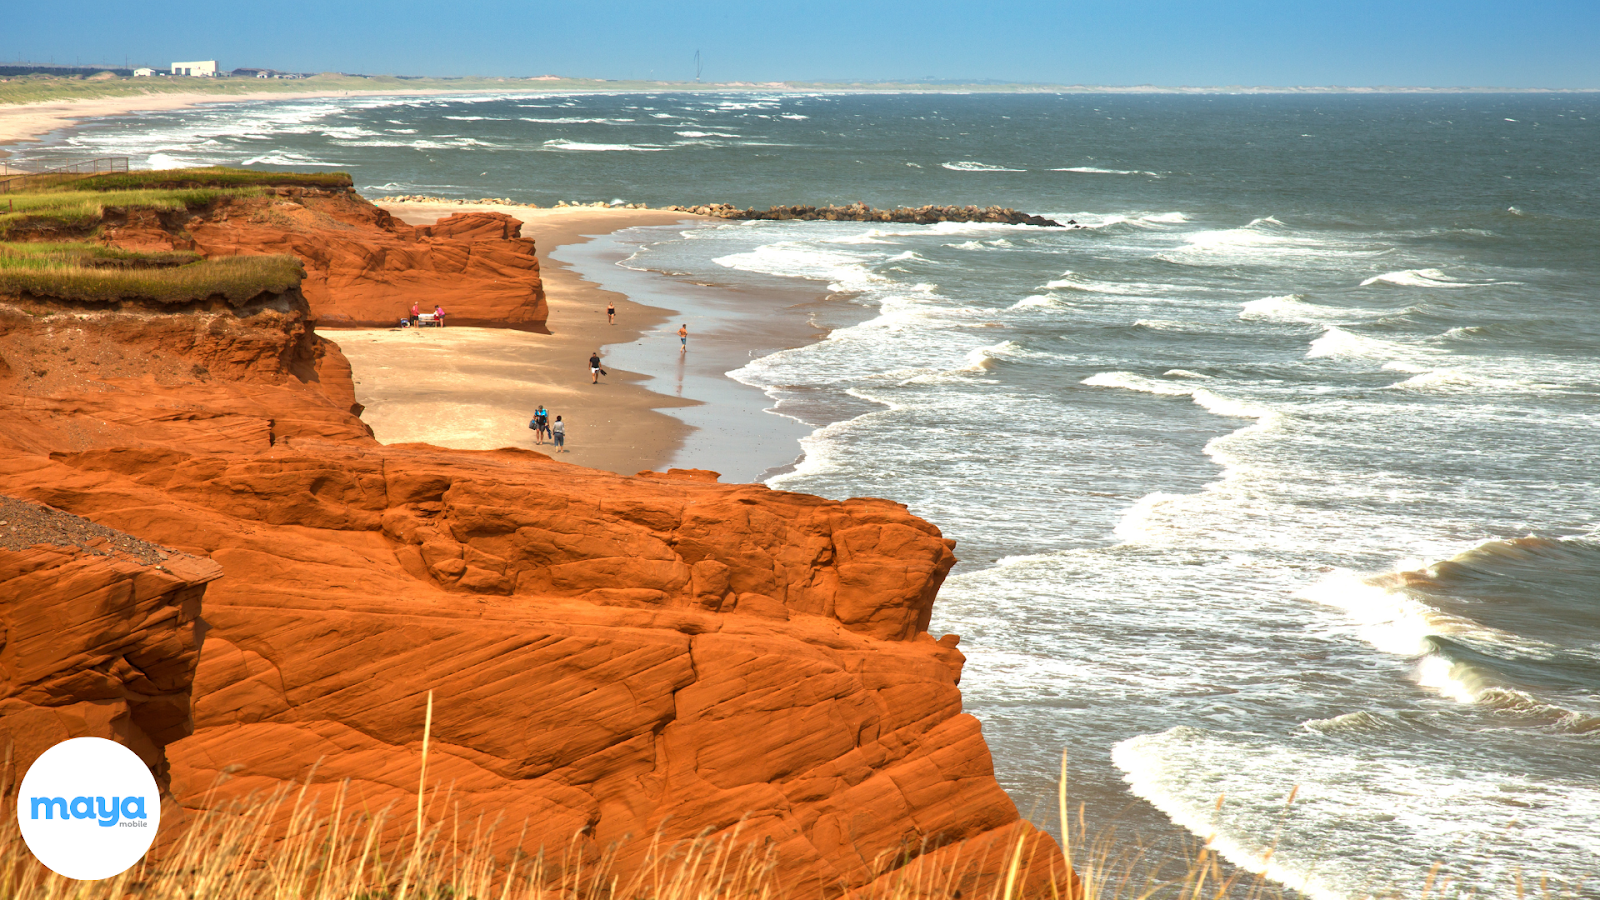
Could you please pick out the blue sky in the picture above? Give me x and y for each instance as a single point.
(1554, 44)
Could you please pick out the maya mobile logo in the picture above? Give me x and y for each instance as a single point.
(88, 808)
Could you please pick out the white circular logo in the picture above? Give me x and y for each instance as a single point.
(88, 808)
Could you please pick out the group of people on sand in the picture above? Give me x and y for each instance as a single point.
(415, 319)
(557, 431)
(544, 428)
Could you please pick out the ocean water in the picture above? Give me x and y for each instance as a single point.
(1274, 481)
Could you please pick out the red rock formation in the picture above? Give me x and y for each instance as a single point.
(610, 657)
(364, 268)
(100, 637)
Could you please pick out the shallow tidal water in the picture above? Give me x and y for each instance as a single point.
(1276, 475)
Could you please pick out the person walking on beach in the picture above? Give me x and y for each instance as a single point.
(541, 424)
(594, 368)
(611, 314)
(683, 337)
(559, 432)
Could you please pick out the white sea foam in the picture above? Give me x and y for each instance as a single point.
(1388, 620)
(1294, 308)
(968, 165)
(165, 161)
(1232, 790)
(1431, 278)
(1070, 281)
(1210, 400)
(1091, 170)
(977, 363)
(843, 271)
(578, 145)
(1338, 343)
(1034, 300)
(1144, 764)
(576, 120)
(703, 134)
(1455, 380)
(283, 159)
(1130, 381)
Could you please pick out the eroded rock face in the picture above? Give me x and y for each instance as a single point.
(101, 635)
(609, 657)
(364, 268)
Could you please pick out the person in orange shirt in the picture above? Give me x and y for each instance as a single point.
(683, 337)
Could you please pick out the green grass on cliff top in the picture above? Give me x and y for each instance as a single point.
(212, 177)
(79, 209)
(94, 273)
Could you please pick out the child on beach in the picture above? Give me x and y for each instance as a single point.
(683, 337)
(559, 432)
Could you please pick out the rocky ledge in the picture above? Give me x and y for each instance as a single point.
(860, 212)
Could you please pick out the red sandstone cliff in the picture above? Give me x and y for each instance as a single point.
(364, 268)
(99, 637)
(610, 657)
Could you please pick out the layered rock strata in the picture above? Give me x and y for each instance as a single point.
(611, 659)
(101, 635)
(364, 268)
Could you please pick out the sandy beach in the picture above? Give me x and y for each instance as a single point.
(476, 388)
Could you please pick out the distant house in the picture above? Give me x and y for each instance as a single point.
(205, 68)
(248, 72)
(143, 72)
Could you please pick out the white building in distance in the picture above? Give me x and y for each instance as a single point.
(143, 72)
(205, 68)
